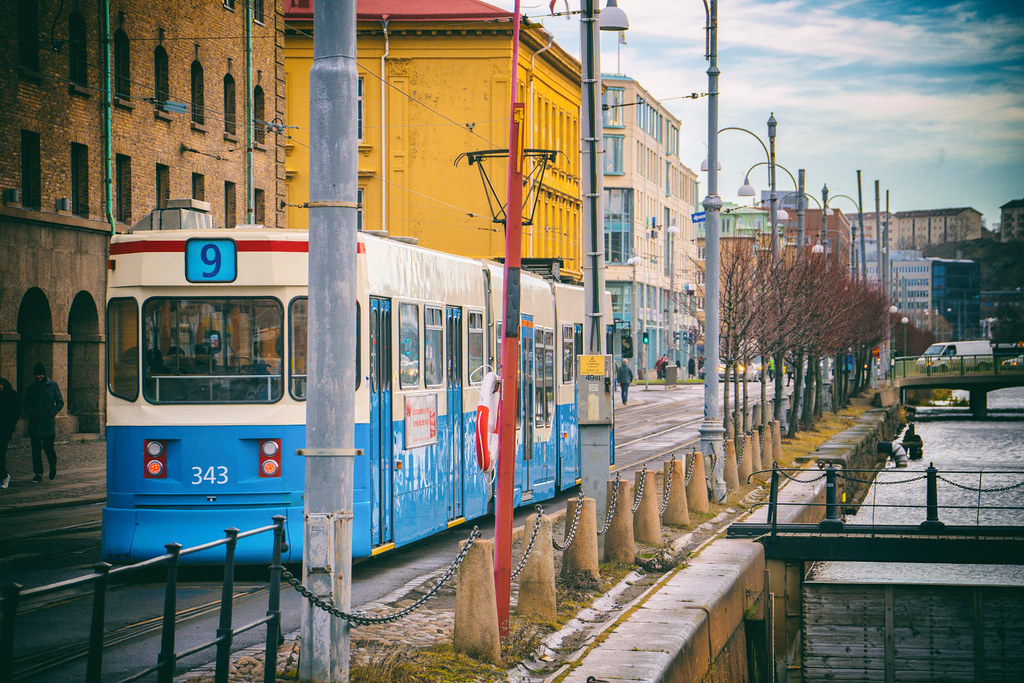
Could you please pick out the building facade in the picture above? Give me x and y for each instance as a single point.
(650, 242)
(434, 83)
(920, 229)
(112, 108)
(1011, 220)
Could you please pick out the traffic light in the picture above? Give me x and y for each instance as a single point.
(646, 337)
(675, 337)
(627, 347)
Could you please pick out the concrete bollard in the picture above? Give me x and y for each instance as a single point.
(768, 452)
(776, 440)
(579, 560)
(755, 450)
(744, 465)
(476, 609)
(619, 544)
(697, 489)
(755, 414)
(731, 475)
(646, 522)
(537, 580)
(676, 512)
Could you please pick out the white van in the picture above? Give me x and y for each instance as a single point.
(939, 356)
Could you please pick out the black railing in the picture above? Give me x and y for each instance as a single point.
(12, 594)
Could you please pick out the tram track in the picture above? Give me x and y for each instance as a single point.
(52, 657)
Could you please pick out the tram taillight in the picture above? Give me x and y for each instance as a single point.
(155, 460)
(270, 458)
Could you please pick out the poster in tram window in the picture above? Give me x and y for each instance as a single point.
(420, 420)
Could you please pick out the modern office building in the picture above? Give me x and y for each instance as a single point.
(650, 241)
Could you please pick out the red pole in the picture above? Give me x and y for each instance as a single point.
(506, 477)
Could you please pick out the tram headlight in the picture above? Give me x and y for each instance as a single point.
(270, 458)
(155, 459)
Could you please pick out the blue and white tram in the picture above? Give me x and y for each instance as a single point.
(206, 354)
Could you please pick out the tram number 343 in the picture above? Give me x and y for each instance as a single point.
(215, 474)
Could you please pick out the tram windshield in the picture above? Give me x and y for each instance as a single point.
(212, 350)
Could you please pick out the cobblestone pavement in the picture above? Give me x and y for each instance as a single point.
(81, 474)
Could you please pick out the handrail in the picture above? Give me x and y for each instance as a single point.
(12, 594)
(969, 365)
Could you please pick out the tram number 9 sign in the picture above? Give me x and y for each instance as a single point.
(210, 261)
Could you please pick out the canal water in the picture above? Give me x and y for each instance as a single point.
(955, 443)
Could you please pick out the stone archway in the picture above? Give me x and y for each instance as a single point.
(85, 374)
(35, 337)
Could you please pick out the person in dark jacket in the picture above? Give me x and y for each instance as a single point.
(10, 411)
(624, 376)
(43, 401)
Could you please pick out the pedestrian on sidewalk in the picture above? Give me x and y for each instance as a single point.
(43, 401)
(10, 411)
(624, 376)
(691, 368)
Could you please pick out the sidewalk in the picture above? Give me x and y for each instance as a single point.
(81, 475)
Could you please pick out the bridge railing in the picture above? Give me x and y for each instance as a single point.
(953, 366)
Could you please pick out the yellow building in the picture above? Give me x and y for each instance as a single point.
(434, 82)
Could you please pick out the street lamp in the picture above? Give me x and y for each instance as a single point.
(905, 320)
(893, 310)
(635, 328)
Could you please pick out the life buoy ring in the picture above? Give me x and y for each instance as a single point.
(487, 422)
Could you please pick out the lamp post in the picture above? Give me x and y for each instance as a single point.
(711, 430)
(673, 232)
(594, 439)
(634, 326)
(890, 333)
(905, 320)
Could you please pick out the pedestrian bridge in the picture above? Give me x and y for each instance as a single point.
(977, 374)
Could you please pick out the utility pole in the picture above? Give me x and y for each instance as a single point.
(711, 430)
(506, 475)
(333, 173)
(860, 218)
(800, 210)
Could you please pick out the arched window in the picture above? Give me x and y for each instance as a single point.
(259, 124)
(161, 77)
(229, 104)
(77, 52)
(198, 113)
(122, 67)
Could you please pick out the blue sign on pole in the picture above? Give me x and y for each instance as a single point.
(698, 217)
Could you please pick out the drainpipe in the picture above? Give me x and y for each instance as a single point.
(384, 129)
(108, 147)
(249, 129)
(533, 128)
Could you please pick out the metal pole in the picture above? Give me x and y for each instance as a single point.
(595, 439)
(330, 418)
(824, 216)
(510, 345)
(774, 208)
(249, 113)
(860, 217)
(711, 430)
(801, 210)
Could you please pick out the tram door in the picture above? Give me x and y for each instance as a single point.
(381, 454)
(527, 407)
(455, 364)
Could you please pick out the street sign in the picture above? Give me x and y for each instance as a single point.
(698, 217)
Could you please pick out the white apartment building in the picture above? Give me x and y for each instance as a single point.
(650, 241)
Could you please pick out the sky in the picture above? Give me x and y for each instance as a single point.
(925, 96)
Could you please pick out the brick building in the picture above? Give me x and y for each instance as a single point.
(169, 80)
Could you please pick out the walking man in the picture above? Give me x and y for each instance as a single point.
(10, 411)
(42, 403)
(624, 375)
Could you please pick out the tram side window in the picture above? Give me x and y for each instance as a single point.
(538, 377)
(476, 347)
(549, 376)
(298, 340)
(123, 348)
(433, 346)
(409, 346)
(568, 354)
(213, 350)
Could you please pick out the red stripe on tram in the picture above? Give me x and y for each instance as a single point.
(178, 246)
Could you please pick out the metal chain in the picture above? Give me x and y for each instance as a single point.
(611, 508)
(689, 472)
(529, 546)
(877, 482)
(572, 527)
(996, 489)
(362, 619)
(764, 427)
(640, 491)
(668, 488)
(739, 452)
(802, 481)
